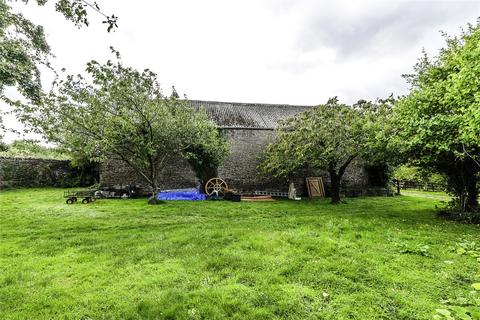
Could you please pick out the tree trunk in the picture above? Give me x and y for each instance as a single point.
(335, 187)
(472, 193)
(462, 177)
(336, 178)
(153, 198)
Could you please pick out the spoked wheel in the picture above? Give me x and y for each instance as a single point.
(215, 186)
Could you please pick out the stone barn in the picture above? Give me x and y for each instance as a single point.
(248, 127)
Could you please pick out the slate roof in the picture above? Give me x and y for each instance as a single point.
(247, 115)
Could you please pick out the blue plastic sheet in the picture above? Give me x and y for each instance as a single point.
(190, 194)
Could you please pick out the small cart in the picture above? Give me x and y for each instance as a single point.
(86, 195)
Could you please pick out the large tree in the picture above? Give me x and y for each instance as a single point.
(123, 115)
(327, 137)
(438, 121)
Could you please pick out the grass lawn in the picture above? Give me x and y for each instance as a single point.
(435, 195)
(371, 258)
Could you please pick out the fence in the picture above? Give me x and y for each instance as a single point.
(418, 185)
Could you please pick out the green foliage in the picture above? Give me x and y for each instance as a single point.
(437, 122)
(120, 259)
(324, 137)
(327, 137)
(3, 145)
(378, 174)
(464, 306)
(421, 250)
(412, 173)
(77, 12)
(205, 157)
(23, 49)
(469, 248)
(32, 149)
(124, 115)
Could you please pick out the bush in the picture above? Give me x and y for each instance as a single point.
(453, 212)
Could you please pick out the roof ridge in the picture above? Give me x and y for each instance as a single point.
(251, 103)
(252, 115)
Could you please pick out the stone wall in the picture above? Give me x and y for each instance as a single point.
(239, 169)
(28, 172)
(178, 174)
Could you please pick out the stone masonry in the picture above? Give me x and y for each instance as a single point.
(248, 129)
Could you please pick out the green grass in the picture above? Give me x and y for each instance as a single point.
(415, 191)
(435, 195)
(371, 258)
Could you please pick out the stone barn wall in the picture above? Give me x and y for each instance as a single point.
(178, 174)
(239, 169)
(249, 127)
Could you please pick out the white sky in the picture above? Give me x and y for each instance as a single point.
(284, 51)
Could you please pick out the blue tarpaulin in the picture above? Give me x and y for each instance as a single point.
(191, 194)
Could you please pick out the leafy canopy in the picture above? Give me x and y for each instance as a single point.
(438, 123)
(24, 49)
(122, 114)
(441, 115)
(327, 137)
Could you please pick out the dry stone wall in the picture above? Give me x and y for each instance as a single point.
(28, 172)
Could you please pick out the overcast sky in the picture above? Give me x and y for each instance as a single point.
(270, 51)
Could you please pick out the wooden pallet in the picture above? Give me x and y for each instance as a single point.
(257, 198)
(271, 193)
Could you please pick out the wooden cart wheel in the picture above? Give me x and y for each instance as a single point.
(69, 201)
(215, 186)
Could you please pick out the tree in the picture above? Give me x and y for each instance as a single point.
(123, 115)
(327, 137)
(24, 49)
(76, 11)
(438, 121)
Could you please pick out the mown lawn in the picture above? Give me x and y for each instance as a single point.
(371, 258)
